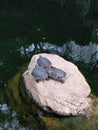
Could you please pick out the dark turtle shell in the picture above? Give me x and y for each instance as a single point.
(44, 62)
(57, 74)
(39, 73)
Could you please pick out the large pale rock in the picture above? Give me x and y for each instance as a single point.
(69, 98)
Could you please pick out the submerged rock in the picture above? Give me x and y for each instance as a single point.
(69, 98)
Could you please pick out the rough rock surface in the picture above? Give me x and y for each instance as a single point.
(69, 98)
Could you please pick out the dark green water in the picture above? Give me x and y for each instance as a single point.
(22, 26)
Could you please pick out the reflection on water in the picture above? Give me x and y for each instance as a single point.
(8, 119)
(4, 108)
(86, 54)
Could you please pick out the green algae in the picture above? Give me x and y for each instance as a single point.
(71, 123)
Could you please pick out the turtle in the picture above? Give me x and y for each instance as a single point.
(44, 62)
(39, 73)
(57, 74)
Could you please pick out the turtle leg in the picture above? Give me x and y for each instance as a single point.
(62, 80)
(47, 78)
(37, 80)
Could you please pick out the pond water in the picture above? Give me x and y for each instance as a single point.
(23, 35)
